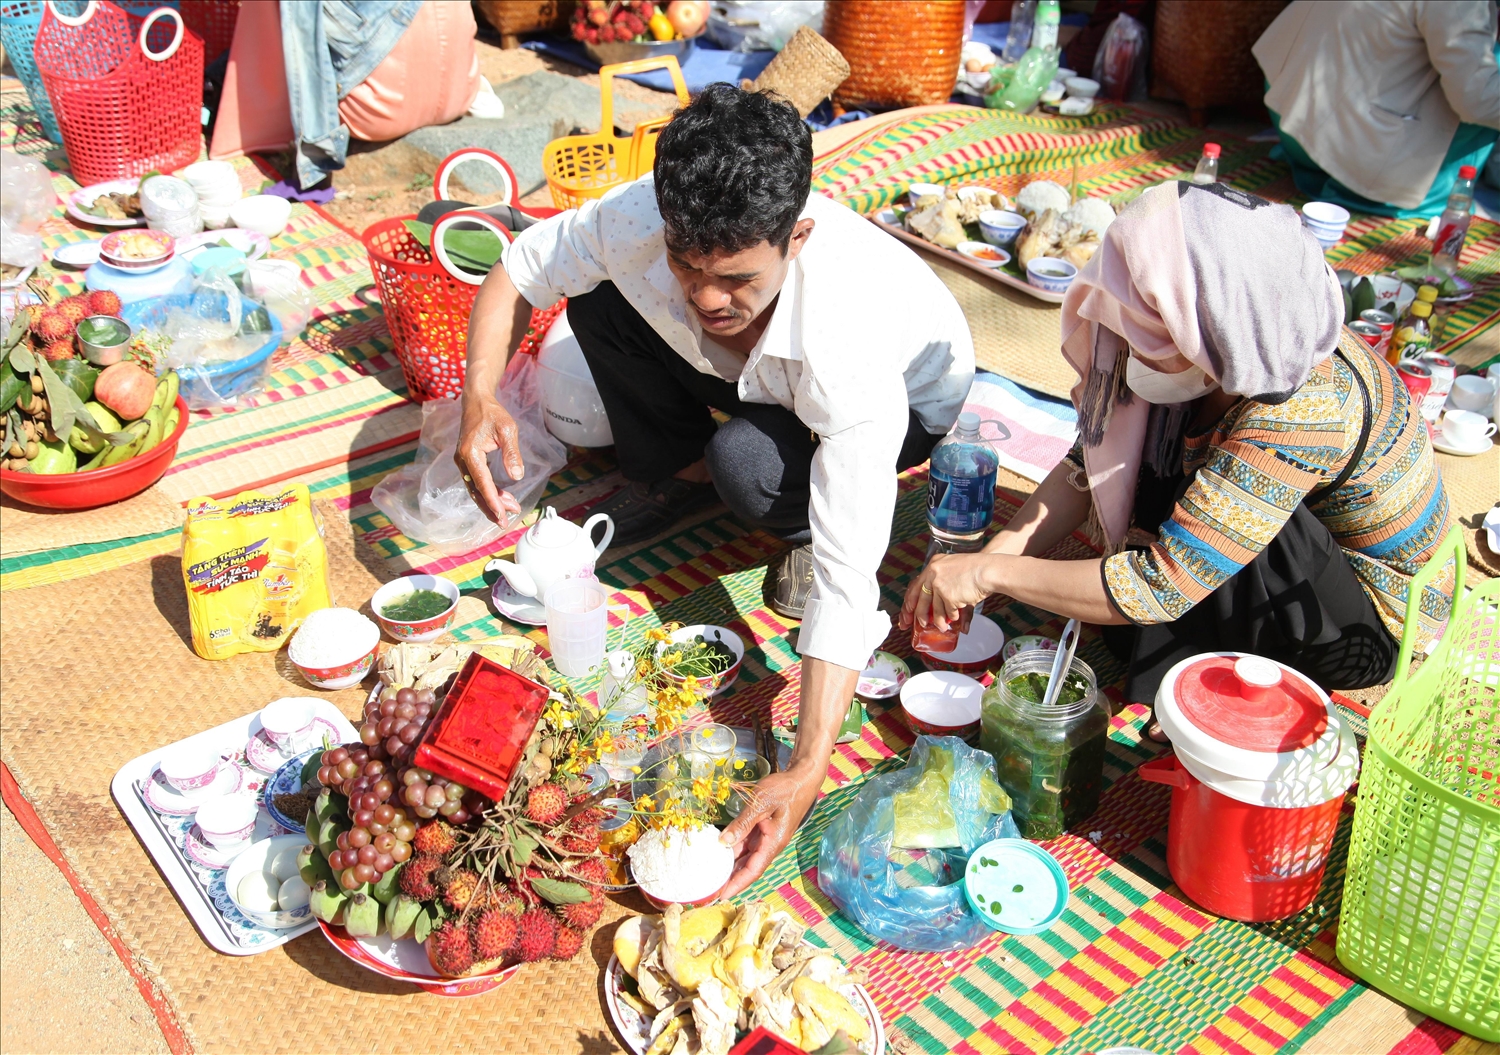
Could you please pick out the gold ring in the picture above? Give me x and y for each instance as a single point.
(468, 479)
(926, 588)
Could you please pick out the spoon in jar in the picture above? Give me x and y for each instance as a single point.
(1067, 644)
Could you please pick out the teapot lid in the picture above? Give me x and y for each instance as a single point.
(552, 530)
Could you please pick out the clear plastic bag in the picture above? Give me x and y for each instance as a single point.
(943, 805)
(218, 340)
(1120, 62)
(26, 199)
(752, 25)
(278, 285)
(427, 500)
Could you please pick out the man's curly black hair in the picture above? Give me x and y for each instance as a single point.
(733, 169)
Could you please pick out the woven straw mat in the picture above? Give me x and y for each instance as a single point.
(25, 529)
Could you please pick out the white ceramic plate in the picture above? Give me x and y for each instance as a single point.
(1441, 444)
(78, 254)
(979, 252)
(981, 644)
(86, 195)
(635, 1028)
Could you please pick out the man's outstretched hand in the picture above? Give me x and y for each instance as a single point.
(768, 822)
(487, 426)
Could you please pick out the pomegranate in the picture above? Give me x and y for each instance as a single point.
(126, 389)
(688, 17)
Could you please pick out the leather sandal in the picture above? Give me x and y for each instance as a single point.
(643, 510)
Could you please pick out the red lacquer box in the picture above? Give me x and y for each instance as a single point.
(761, 1041)
(480, 731)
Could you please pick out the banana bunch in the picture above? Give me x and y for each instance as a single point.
(145, 432)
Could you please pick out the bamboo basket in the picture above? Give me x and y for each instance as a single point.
(511, 18)
(900, 52)
(805, 72)
(1201, 52)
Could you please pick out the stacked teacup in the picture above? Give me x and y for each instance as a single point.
(171, 205)
(217, 186)
(1326, 221)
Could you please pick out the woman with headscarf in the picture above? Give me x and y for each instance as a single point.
(1282, 471)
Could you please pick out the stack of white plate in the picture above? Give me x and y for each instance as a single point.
(217, 186)
(171, 205)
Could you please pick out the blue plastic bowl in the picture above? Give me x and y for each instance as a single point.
(1015, 886)
(218, 382)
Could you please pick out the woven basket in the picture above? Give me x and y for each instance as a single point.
(805, 72)
(1201, 52)
(514, 17)
(900, 52)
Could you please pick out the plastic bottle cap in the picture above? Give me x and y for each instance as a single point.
(1427, 293)
(968, 421)
(1421, 308)
(1210, 150)
(1467, 172)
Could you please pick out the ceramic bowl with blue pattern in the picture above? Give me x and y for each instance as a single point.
(1050, 274)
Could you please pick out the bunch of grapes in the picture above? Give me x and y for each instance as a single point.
(429, 795)
(382, 834)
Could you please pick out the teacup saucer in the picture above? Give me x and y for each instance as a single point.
(205, 853)
(165, 799)
(516, 607)
(266, 757)
(1440, 443)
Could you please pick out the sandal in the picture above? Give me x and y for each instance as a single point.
(642, 511)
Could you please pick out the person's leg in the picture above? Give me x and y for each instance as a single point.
(761, 463)
(1298, 602)
(658, 411)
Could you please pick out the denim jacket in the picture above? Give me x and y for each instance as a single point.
(331, 46)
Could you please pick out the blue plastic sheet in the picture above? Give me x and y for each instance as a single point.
(706, 65)
(913, 899)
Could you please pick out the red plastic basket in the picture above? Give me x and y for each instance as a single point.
(214, 21)
(127, 91)
(427, 299)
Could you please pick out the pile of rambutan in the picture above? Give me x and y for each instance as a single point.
(606, 22)
(54, 328)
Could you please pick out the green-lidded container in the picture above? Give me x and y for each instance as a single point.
(1421, 911)
(1049, 760)
(1015, 886)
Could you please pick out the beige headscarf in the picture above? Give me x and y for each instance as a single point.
(1231, 282)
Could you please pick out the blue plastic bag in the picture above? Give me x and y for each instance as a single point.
(913, 896)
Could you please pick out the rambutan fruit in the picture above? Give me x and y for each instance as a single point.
(75, 309)
(583, 914)
(536, 934)
(567, 943)
(494, 934)
(459, 887)
(416, 878)
(435, 838)
(57, 350)
(104, 302)
(546, 804)
(593, 872)
(580, 839)
(51, 326)
(449, 949)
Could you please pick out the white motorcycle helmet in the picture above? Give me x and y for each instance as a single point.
(570, 399)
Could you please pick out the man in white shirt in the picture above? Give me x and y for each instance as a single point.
(840, 357)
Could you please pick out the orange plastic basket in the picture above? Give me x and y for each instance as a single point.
(582, 167)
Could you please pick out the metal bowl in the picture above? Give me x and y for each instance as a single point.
(613, 52)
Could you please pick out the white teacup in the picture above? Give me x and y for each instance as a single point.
(227, 822)
(190, 768)
(1465, 429)
(1473, 393)
(287, 722)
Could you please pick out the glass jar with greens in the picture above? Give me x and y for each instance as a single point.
(1050, 759)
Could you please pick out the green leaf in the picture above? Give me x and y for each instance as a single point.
(22, 359)
(62, 402)
(425, 922)
(522, 847)
(561, 893)
(11, 386)
(471, 250)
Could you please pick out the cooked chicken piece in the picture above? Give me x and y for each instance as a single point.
(1040, 238)
(715, 1013)
(814, 999)
(936, 219)
(972, 201)
(688, 950)
(777, 1012)
(664, 1017)
(630, 941)
(668, 1039)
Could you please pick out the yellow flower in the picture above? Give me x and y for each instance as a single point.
(636, 770)
(721, 790)
(642, 669)
(703, 788)
(658, 634)
(646, 802)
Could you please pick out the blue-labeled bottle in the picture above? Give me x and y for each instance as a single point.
(961, 485)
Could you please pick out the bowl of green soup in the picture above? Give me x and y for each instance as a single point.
(416, 607)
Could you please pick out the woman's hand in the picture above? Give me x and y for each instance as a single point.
(950, 581)
(768, 822)
(487, 426)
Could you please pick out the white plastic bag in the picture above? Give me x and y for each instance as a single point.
(26, 199)
(761, 25)
(427, 500)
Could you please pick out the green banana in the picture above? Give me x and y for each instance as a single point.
(328, 834)
(328, 902)
(314, 866)
(330, 804)
(80, 441)
(126, 451)
(426, 920)
(155, 418)
(401, 916)
(159, 397)
(386, 889)
(96, 461)
(362, 917)
(312, 765)
(173, 384)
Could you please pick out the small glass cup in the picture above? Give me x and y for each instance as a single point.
(747, 768)
(710, 749)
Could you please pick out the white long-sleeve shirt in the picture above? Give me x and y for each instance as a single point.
(861, 331)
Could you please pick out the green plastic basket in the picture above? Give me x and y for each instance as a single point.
(1421, 912)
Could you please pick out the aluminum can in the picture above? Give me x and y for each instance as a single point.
(1369, 333)
(1417, 377)
(1443, 372)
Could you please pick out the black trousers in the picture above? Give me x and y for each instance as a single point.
(658, 407)
(1298, 602)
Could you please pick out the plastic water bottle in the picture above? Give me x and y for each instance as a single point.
(624, 701)
(1453, 227)
(1208, 165)
(1037, 66)
(1022, 12)
(961, 487)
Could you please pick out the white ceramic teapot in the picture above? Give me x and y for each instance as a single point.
(553, 549)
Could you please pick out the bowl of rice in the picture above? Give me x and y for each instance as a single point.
(688, 868)
(334, 648)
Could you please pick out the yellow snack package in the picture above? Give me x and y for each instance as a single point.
(254, 566)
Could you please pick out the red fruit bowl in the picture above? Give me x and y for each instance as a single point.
(406, 961)
(96, 487)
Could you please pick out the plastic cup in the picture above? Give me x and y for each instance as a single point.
(577, 619)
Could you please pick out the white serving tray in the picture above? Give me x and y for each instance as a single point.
(886, 220)
(201, 890)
